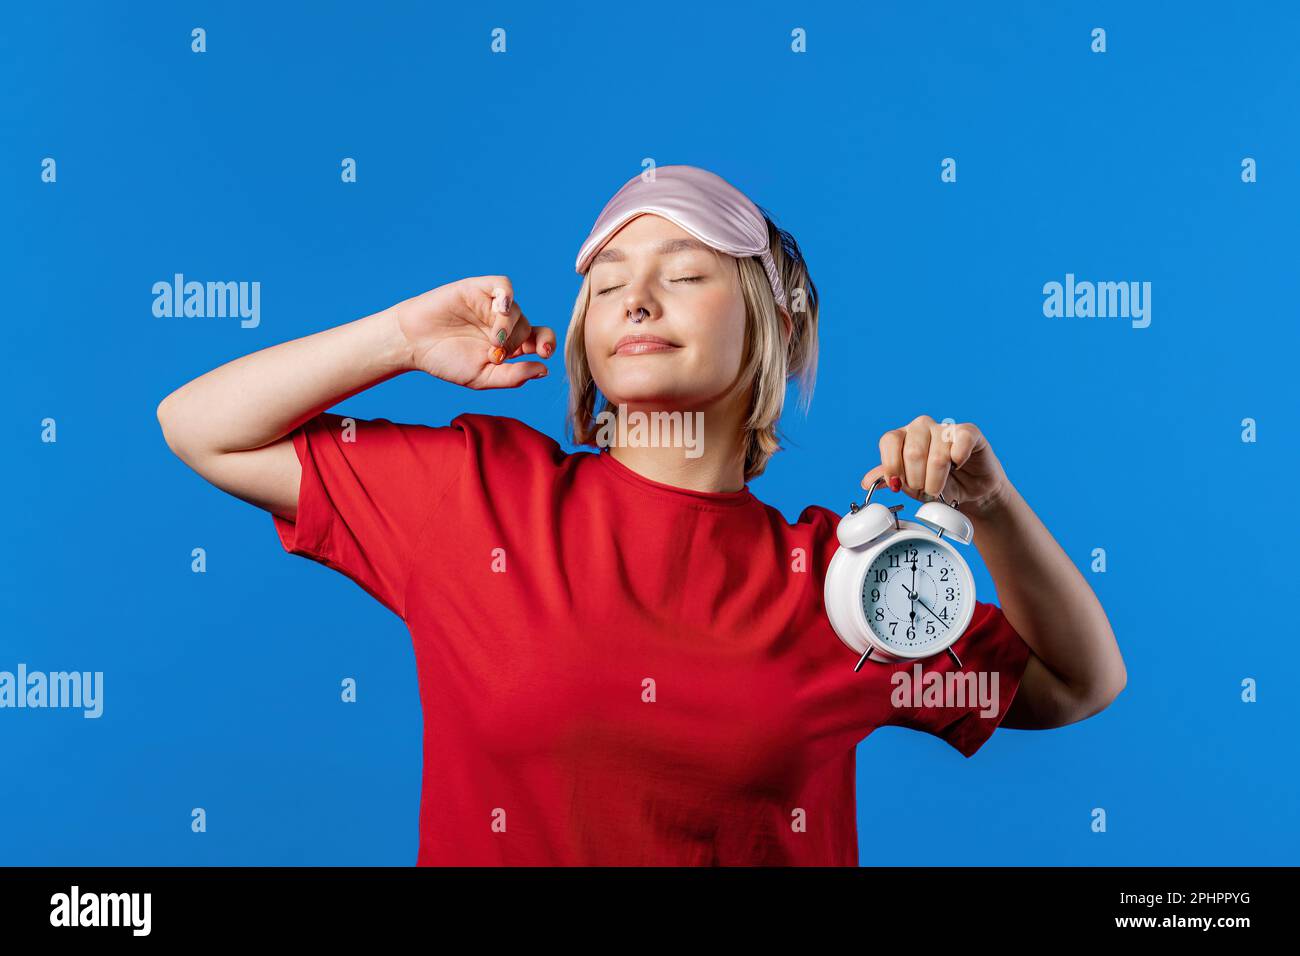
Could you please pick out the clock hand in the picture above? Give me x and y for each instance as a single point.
(912, 595)
(932, 614)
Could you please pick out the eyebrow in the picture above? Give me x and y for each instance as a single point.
(667, 247)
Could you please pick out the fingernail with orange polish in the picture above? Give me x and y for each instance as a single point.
(497, 355)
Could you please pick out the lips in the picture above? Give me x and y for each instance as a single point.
(642, 345)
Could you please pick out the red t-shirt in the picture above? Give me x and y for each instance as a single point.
(613, 671)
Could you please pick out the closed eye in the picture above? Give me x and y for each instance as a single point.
(682, 279)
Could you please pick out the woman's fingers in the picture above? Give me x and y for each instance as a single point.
(965, 439)
(869, 478)
(916, 450)
(939, 460)
(491, 299)
(919, 456)
(493, 294)
(891, 456)
(524, 339)
(512, 374)
(506, 341)
(513, 335)
(509, 333)
(541, 342)
(505, 333)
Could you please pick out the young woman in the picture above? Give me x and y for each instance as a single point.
(623, 655)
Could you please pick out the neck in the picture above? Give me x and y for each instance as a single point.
(701, 449)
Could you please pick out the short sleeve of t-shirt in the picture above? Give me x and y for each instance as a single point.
(368, 489)
(993, 660)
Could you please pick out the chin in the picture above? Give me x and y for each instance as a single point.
(665, 399)
(662, 394)
(665, 388)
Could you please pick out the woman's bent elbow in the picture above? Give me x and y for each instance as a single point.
(171, 430)
(1105, 694)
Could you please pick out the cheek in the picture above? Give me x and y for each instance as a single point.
(593, 329)
(596, 341)
(726, 333)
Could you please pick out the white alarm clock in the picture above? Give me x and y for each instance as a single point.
(899, 590)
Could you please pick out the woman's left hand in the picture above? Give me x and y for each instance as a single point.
(927, 458)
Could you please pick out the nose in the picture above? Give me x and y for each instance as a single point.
(639, 304)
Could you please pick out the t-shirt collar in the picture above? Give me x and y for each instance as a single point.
(719, 499)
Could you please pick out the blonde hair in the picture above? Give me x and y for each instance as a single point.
(767, 363)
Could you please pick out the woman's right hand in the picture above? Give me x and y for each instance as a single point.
(464, 331)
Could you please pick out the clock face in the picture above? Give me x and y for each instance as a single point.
(912, 595)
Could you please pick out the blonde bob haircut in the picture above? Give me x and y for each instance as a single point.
(767, 362)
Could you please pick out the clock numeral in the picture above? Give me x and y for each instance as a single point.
(929, 560)
(929, 627)
(893, 628)
(911, 633)
(875, 595)
(893, 561)
(943, 574)
(880, 614)
(951, 594)
(881, 575)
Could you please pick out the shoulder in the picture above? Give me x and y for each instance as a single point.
(813, 531)
(503, 436)
(822, 524)
(814, 521)
(468, 436)
(817, 523)
(819, 518)
(509, 457)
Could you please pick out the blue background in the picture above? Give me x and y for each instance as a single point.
(222, 689)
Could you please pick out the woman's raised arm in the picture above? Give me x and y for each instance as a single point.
(231, 424)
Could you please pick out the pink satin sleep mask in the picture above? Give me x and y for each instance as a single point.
(703, 203)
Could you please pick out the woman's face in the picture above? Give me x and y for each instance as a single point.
(692, 301)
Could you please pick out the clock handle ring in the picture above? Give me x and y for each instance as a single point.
(874, 485)
(881, 480)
